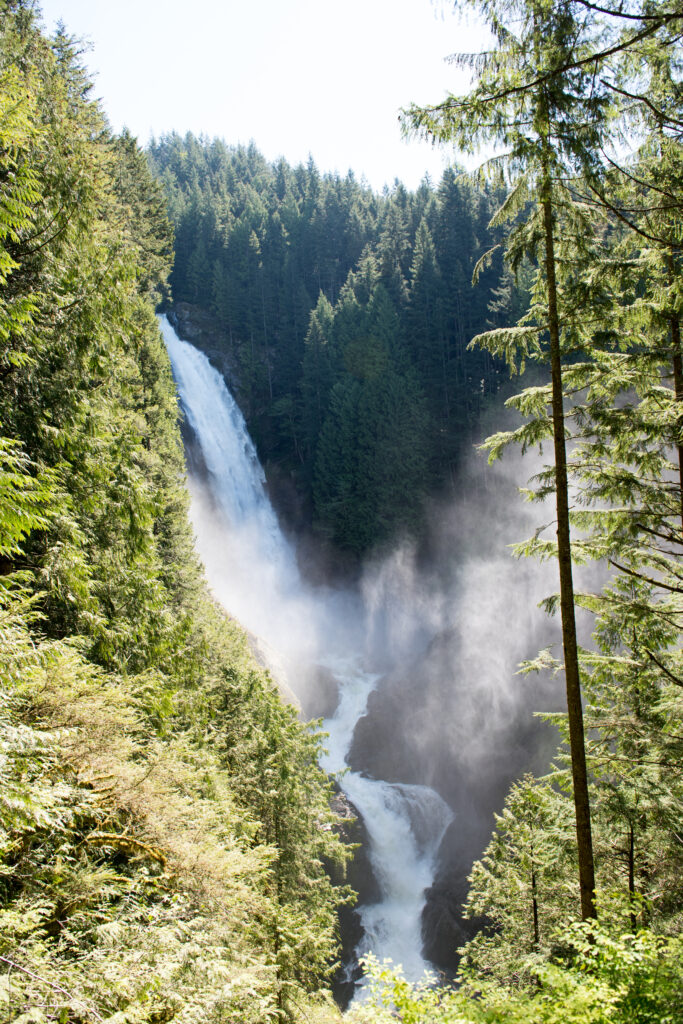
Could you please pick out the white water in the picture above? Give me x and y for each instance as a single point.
(405, 825)
(252, 569)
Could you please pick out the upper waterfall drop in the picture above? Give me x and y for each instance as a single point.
(248, 561)
(238, 481)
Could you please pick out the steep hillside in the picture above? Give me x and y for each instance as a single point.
(166, 834)
(164, 824)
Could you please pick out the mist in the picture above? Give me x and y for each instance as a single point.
(444, 625)
(412, 664)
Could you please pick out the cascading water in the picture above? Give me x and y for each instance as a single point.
(236, 527)
(405, 824)
(252, 569)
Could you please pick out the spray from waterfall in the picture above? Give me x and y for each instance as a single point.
(432, 723)
(252, 569)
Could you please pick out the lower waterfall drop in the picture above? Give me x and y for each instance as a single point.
(405, 825)
(252, 569)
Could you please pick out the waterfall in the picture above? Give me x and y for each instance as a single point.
(249, 564)
(405, 825)
(251, 567)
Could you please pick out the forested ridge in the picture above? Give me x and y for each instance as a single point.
(583, 103)
(344, 317)
(165, 831)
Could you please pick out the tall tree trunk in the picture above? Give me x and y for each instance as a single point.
(632, 877)
(564, 556)
(678, 391)
(677, 360)
(280, 995)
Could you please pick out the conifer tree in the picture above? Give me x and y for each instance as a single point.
(137, 732)
(278, 238)
(519, 885)
(528, 95)
(318, 369)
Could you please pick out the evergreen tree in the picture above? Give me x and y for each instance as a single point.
(370, 473)
(318, 370)
(427, 337)
(265, 242)
(519, 886)
(527, 98)
(162, 816)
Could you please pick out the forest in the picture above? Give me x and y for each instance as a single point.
(170, 849)
(337, 312)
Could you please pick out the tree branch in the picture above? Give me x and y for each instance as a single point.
(646, 579)
(670, 675)
(601, 55)
(126, 842)
(51, 984)
(643, 99)
(622, 217)
(622, 14)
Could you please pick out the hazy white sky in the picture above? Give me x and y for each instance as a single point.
(325, 77)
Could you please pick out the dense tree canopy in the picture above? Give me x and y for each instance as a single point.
(163, 819)
(164, 824)
(585, 101)
(302, 272)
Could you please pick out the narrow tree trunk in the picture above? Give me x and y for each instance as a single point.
(677, 362)
(632, 877)
(265, 341)
(534, 908)
(678, 391)
(280, 996)
(564, 555)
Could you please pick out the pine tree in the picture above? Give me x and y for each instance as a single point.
(278, 238)
(519, 885)
(528, 95)
(161, 810)
(318, 370)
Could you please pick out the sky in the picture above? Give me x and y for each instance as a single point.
(298, 77)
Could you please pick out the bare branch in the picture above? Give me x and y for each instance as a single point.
(58, 988)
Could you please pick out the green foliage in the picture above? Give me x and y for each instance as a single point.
(163, 820)
(565, 94)
(597, 976)
(522, 885)
(151, 861)
(164, 825)
(370, 473)
(23, 498)
(312, 280)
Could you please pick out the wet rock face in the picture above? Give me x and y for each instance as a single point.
(322, 694)
(360, 877)
(359, 873)
(444, 929)
(193, 324)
